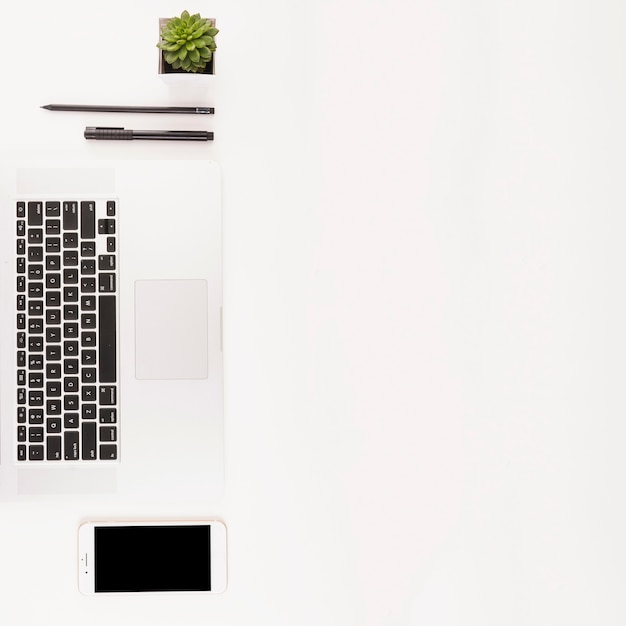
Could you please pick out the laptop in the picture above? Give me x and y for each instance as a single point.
(111, 378)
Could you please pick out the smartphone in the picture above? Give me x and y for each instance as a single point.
(145, 557)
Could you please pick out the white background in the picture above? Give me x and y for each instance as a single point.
(424, 304)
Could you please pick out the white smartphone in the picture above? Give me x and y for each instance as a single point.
(149, 556)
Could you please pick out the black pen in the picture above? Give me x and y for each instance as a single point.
(99, 132)
(126, 109)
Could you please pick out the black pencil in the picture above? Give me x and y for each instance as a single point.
(127, 109)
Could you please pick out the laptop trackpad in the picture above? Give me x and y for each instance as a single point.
(171, 329)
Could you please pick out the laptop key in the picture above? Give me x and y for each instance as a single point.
(53, 448)
(107, 395)
(53, 425)
(53, 227)
(35, 416)
(106, 282)
(88, 440)
(70, 420)
(35, 254)
(53, 370)
(107, 368)
(35, 235)
(54, 407)
(108, 451)
(35, 434)
(106, 262)
(70, 312)
(88, 393)
(35, 213)
(107, 433)
(35, 361)
(53, 244)
(88, 357)
(35, 379)
(70, 403)
(106, 227)
(70, 215)
(35, 398)
(88, 284)
(35, 452)
(88, 411)
(88, 266)
(70, 257)
(70, 240)
(87, 220)
(53, 209)
(88, 248)
(108, 415)
(71, 448)
(53, 263)
(70, 366)
(70, 276)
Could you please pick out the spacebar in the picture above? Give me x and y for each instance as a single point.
(107, 339)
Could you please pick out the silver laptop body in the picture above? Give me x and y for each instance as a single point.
(146, 419)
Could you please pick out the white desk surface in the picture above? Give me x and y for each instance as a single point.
(425, 346)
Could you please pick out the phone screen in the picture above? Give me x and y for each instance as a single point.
(152, 558)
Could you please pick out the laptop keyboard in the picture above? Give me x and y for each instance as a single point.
(67, 293)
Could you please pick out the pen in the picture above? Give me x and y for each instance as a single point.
(99, 132)
(126, 109)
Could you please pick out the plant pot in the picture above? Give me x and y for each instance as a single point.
(166, 69)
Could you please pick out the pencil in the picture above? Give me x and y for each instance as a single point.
(127, 109)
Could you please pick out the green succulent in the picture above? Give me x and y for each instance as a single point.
(188, 42)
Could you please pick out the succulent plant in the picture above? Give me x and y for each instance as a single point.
(188, 42)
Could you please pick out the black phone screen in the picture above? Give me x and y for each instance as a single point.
(152, 558)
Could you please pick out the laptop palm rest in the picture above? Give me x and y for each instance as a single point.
(67, 480)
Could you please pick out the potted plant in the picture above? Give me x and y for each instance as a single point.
(187, 44)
